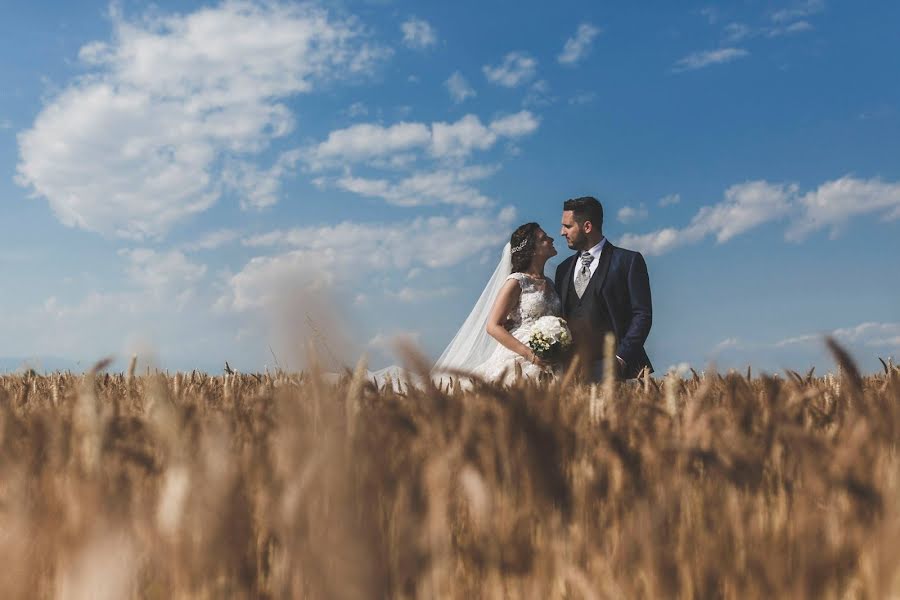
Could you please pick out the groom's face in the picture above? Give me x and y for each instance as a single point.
(573, 231)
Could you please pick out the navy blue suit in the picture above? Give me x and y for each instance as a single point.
(616, 299)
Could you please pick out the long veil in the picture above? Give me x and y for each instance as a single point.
(471, 346)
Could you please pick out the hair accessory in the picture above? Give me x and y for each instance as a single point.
(520, 246)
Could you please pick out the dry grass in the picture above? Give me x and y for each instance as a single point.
(115, 486)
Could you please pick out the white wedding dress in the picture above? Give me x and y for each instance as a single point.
(473, 351)
(538, 299)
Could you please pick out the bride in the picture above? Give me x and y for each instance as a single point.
(493, 338)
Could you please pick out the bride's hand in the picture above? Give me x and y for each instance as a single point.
(537, 360)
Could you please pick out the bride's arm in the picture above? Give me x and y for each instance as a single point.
(506, 300)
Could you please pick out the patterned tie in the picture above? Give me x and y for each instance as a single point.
(583, 276)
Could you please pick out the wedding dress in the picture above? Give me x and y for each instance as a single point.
(538, 299)
(473, 350)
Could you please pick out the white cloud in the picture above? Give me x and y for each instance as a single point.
(161, 271)
(670, 200)
(727, 343)
(211, 240)
(317, 257)
(579, 45)
(132, 148)
(538, 94)
(630, 214)
(698, 60)
(736, 32)
(834, 203)
(367, 142)
(746, 205)
(259, 188)
(515, 69)
(459, 139)
(869, 334)
(796, 27)
(387, 341)
(583, 98)
(5, 124)
(357, 109)
(798, 11)
(413, 295)
(418, 34)
(459, 88)
(516, 125)
(446, 186)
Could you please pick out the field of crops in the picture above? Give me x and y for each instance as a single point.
(286, 485)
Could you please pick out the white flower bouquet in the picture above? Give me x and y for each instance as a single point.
(550, 338)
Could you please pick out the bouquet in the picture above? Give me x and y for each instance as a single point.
(550, 338)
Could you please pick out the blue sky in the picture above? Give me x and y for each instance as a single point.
(200, 182)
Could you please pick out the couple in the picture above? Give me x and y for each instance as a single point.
(599, 289)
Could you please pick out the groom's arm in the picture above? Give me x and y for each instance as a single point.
(638, 282)
(557, 281)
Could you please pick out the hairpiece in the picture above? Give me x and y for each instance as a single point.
(520, 246)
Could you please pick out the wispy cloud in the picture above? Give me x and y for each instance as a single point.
(212, 240)
(751, 204)
(418, 34)
(705, 58)
(459, 88)
(316, 257)
(798, 11)
(669, 200)
(631, 214)
(515, 69)
(578, 46)
(870, 334)
(834, 203)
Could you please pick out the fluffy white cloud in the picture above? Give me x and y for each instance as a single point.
(366, 142)
(132, 148)
(259, 188)
(515, 69)
(446, 186)
(459, 88)
(317, 257)
(418, 34)
(705, 58)
(834, 203)
(579, 45)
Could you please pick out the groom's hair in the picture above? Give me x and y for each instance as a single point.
(586, 208)
(523, 236)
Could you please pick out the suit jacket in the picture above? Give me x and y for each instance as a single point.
(621, 286)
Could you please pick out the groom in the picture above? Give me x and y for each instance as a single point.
(603, 289)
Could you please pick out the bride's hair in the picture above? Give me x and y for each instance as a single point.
(522, 244)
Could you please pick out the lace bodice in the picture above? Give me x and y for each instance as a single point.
(538, 299)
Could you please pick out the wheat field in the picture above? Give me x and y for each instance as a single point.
(283, 485)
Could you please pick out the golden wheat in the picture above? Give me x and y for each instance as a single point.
(283, 485)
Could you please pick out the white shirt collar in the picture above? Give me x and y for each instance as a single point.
(595, 251)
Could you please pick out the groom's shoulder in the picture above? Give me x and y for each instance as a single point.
(624, 252)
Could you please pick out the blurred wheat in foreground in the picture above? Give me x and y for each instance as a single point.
(116, 486)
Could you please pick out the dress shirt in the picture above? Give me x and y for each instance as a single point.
(595, 252)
